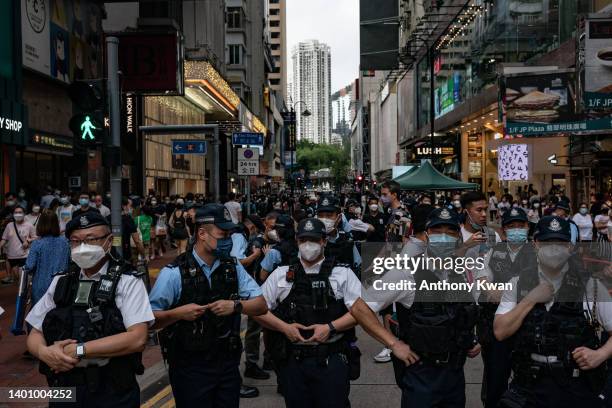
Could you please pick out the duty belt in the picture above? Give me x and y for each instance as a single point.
(443, 359)
(321, 351)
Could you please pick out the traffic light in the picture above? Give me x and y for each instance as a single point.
(87, 123)
(360, 178)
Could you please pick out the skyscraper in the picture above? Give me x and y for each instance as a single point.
(312, 85)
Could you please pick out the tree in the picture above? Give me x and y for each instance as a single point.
(312, 157)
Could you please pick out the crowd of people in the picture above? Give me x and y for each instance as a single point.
(293, 265)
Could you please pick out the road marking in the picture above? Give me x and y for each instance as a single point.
(157, 397)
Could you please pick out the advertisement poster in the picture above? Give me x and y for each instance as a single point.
(513, 162)
(62, 38)
(541, 103)
(598, 71)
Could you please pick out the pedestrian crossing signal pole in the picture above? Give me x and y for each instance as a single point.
(112, 53)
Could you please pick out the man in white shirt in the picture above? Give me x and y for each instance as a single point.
(234, 208)
(554, 311)
(104, 210)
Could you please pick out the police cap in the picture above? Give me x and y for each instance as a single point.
(553, 228)
(215, 214)
(311, 228)
(515, 214)
(328, 203)
(443, 216)
(87, 220)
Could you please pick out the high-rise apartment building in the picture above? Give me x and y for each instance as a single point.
(312, 86)
(277, 20)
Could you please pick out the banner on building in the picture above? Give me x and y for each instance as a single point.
(62, 38)
(513, 162)
(595, 61)
(378, 34)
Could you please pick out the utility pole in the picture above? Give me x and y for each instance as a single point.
(112, 53)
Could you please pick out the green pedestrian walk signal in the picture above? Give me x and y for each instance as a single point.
(87, 122)
(86, 128)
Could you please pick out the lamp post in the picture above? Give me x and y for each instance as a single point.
(293, 137)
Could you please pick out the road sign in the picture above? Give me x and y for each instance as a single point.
(248, 138)
(188, 147)
(248, 162)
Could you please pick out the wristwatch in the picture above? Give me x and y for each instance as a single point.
(80, 351)
(237, 306)
(332, 329)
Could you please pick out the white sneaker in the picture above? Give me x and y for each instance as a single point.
(384, 356)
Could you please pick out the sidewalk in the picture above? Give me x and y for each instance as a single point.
(20, 371)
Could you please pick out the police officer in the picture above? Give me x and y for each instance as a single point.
(90, 327)
(340, 244)
(436, 327)
(376, 218)
(555, 311)
(281, 233)
(309, 301)
(502, 263)
(197, 301)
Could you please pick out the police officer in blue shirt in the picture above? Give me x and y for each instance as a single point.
(197, 301)
(285, 248)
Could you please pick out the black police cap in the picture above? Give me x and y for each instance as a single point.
(553, 228)
(311, 228)
(443, 216)
(87, 220)
(284, 221)
(215, 214)
(328, 203)
(515, 214)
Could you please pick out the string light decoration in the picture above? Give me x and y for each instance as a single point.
(203, 70)
(462, 23)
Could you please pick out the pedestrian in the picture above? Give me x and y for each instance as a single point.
(563, 210)
(34, 215)
(84, 206)
(310, 326)
(45, 201)
(376, 218)
(143, 222)
(533, 215)
(90, 327)
(99, 205)
(161, 226)
(197, 301)
(435, 337)
(234, 208)
(48, 256)
(583, 220)
(604, 248)
(15, 243)
(398, 217)
(474, 230)
(64, 212)
(178, 227)
(21, 199)
(131, 239)
(503, 206)
(556, 300)
(503, 262)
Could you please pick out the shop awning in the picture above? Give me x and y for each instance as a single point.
(427, 177)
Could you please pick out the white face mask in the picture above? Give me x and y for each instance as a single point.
(309, 251)
(18, 217)
(373, 207)
(87, 256)
(553, 256)
(357, 211)
(330, 225)
(36, 210)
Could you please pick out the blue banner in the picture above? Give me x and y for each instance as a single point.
(189, 147)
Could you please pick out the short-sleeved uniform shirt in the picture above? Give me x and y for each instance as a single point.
(131, 300)
(604, 302)
(167, 290)
(343, 281)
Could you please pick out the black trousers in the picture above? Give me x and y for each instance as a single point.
(425, 385)
(309, 383)
(206, 383)
(497, 359)
(104, 397)
(547, 392)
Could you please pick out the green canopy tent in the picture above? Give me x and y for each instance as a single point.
(427, 177)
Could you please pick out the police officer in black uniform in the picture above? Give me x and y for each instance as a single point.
(340, 244)
(555, 313)
(310, 323)
(197, 301)
(91, 325)
(437, 328)
(502, 263)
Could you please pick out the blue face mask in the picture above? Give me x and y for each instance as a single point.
(517, 235)
(84, 202)
(442, 245)
(224, 247)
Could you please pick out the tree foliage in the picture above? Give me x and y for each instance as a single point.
(312, 157)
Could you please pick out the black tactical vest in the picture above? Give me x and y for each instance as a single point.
(288, 251)
(210, 336)
(341, 249)
(93, 319)
(558, 331)
(502, 266)
(439, 323)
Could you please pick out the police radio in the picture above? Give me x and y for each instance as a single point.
(319, 295)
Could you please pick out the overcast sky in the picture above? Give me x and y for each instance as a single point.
(334, 22)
